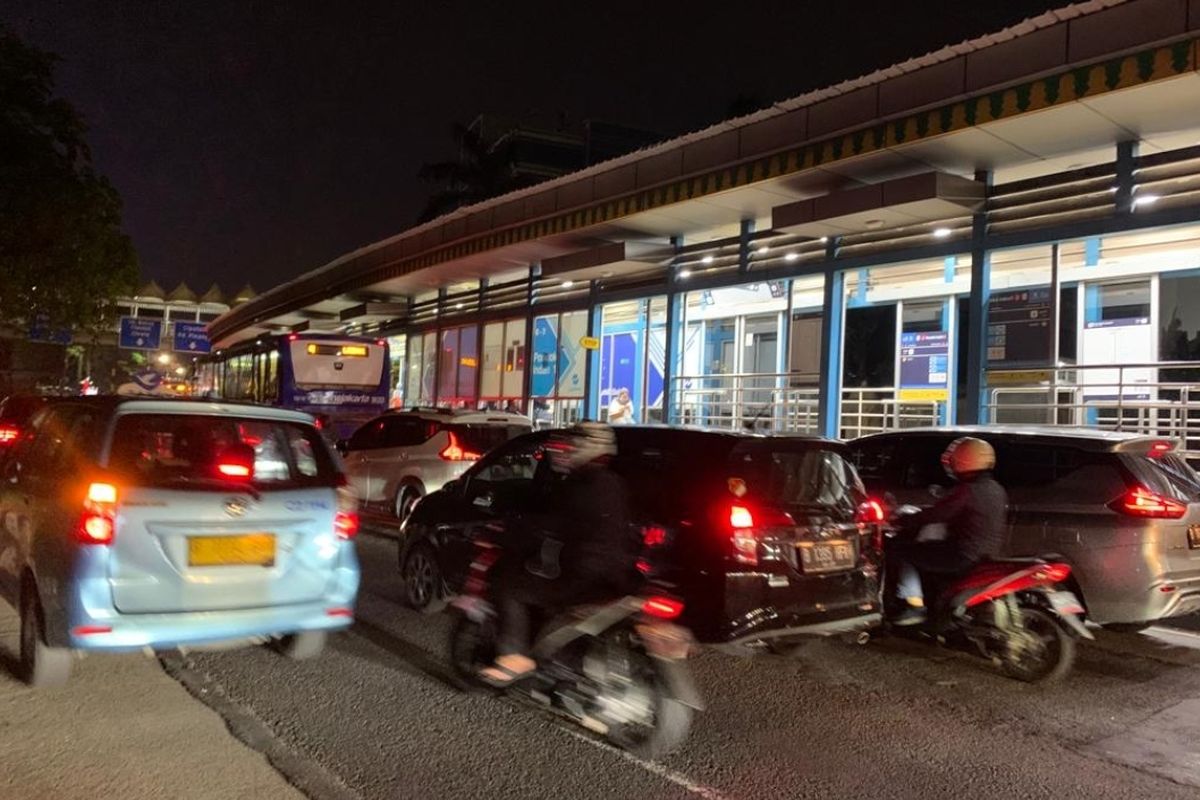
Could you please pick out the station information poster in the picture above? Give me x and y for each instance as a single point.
(1019, 329)
(925, 366)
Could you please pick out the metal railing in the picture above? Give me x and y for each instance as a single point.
(788, 403)
(1155, 399)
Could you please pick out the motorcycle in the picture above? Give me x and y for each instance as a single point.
(617, 668)
(1019, 613)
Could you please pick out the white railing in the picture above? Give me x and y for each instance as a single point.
(788, 403)
(1152, 399)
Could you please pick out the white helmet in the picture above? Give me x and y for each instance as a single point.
(968, 455)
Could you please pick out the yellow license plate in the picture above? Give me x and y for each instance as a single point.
(256, 549)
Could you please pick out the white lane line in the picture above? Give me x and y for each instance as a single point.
(677, 778)
(1175, 636)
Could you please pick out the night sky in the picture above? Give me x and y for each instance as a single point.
(254, 140)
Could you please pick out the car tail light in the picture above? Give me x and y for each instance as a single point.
(97, 524)
(871, 512)
(654, 536)
(345, 520)
(455, 452)
(1160, 449)
(90, 630)
(231, 470)
(1141, 502)
(740, 517)
(9, 434)
(662, 607)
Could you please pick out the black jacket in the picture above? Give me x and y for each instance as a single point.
(591, 508)
(975, 513)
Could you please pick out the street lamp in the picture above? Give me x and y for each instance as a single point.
(163, 358)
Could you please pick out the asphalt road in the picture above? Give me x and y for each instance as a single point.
(377, 717)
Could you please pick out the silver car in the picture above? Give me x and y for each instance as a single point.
(1123, 509)
(397, 458)
(128, 524)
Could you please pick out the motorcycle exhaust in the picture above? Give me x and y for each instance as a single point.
(862, 638)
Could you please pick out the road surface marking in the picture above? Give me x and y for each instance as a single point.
(677, 778)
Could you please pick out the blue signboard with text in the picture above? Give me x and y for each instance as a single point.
(190, 337)
(925, 366)
(138, 333)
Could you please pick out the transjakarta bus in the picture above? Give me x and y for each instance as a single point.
(342, 380)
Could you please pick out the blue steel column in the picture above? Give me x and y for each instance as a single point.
(974, 403)
(591, 374)
(672, 361)
(535, 271)
(829, 398)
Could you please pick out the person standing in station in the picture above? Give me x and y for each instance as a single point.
(620, 410)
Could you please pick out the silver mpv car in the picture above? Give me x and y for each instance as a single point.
(397, 458)
(1123, 509)
(133, 523)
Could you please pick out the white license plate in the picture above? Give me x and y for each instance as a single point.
(826, 556)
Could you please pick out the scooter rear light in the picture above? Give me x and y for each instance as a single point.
(1055, 573)
(871, 512)
(662, 607)
(9, 434)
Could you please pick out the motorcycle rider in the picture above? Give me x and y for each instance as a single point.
(973, 512)
(585, 553)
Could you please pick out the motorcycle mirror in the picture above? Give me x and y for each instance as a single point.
(936, 491)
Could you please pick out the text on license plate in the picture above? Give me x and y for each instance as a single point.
(1194, 537)
(826, 556)
(256, 549)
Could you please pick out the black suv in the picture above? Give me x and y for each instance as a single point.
(767, 538)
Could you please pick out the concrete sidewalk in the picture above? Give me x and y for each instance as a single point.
(124, 729)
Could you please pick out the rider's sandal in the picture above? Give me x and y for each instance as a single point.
(501, 677)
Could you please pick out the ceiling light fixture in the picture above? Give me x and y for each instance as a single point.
(941, 233)
(1145, 200)
(762, 249)
(685, 273)
(567, 284)
(707, 259)
(791, 256)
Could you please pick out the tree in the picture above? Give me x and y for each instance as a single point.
(63, 257)
(483, 169)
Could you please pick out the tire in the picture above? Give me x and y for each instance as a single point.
(423, 580)
(672, 722)
(303, 646)
(1056, 660)
(41, 666)
(406, 497)
(472, 647)
(1126, 627)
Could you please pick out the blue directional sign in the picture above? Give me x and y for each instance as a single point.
(191, 337)
(40, 331)
(138, 333)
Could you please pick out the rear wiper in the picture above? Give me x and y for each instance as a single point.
(234, 486)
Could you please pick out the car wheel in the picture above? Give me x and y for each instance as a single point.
(303, 646)
(1126, 627)
(423, 580)
(42, 666)
(406, 497)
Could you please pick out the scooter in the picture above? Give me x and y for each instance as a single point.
(618, 668)
(1018, 612)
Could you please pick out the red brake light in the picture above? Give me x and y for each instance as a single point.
(234, 470)
(1056, 572)
(293, 337)
(653, 536)
(662, 607)
(90, 630)
(1141, 502)
(871, 512)
(1160, 449)
(454, 452)
(740, 517)
(9, 434)
(97, 524)
(346, 522)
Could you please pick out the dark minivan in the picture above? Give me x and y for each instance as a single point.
(1122, 508)
(768, 537)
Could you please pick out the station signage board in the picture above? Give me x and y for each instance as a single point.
(1019, 331)
(139, 333)
(190, 337)
(925, 366)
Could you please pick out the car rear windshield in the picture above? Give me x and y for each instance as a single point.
(187, 450)
(798, 476)
(480, 438)
(1168, 474)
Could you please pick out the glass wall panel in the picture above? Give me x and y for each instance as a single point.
(622, 360)
(513, 382)
(468, 363)
(656, 355)
(447, 366)
(412, 381)
(493, 361)
(429, 369)
(572, 361)
(397, 352)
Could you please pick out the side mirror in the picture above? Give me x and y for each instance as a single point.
(936, 491)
